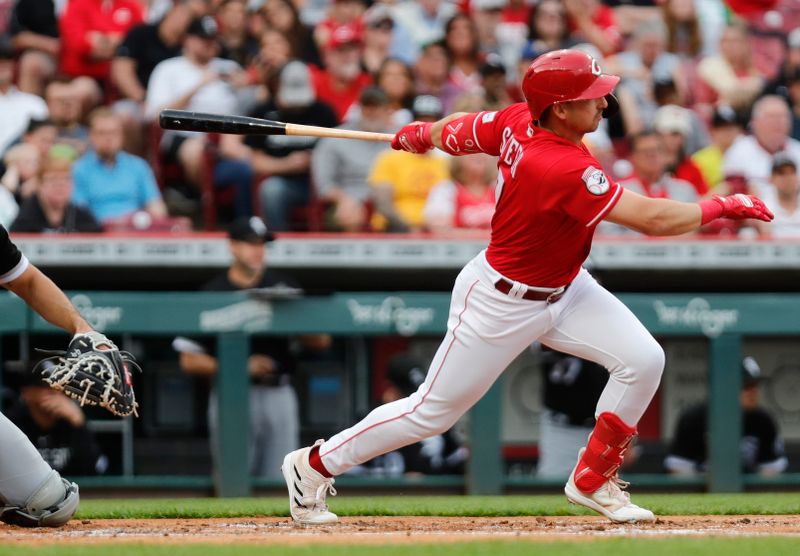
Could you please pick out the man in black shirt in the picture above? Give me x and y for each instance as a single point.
(760, 449)
(24, 475)
(571, 388)
(148, 44)
(49, 209)
(274, 415)
(56, 425)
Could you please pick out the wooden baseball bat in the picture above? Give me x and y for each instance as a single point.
(241, 125)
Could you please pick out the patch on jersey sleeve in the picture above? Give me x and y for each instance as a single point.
(488, 117)
(596, 181)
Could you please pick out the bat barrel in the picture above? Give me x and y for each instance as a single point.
(183, 120)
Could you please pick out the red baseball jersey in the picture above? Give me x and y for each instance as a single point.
(551, 194)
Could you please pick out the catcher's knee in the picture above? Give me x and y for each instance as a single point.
(52, 505)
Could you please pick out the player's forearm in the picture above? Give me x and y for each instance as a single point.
(44, 297)
(123, 74)
(198, 364)
(438, 127)
(671, 218)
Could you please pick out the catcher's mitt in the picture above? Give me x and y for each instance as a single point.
(94, 372)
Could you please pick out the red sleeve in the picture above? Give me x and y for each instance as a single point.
(587, 194)
(481, 131)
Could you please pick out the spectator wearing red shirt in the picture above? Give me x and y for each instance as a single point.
(595, 23)
(673, 123)
(342, 80)
(468, 200)
(91, 31)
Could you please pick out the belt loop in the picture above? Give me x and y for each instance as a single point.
(517, 290)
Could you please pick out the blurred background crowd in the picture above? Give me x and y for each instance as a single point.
(710, 103)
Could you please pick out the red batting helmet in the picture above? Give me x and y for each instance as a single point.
(564, 75)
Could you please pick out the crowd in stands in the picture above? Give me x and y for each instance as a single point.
(709, 97)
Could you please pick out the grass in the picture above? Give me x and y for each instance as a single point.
(470, 506)
(604, 547)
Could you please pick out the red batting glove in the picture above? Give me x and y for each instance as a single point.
(414, 138)
(735, 207)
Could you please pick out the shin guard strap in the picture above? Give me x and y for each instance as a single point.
(613, 432)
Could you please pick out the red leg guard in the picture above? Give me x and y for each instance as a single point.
(603, 455)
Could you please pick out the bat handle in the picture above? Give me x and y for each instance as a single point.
(315, 131)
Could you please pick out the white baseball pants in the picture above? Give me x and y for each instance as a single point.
(486, 330)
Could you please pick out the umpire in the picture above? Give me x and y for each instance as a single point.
(274, 415)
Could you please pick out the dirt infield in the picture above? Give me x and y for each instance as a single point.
(381, 530)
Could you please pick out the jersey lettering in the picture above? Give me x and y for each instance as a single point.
(511, 151)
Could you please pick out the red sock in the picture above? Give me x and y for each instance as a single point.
(603, 455)
(316, 462)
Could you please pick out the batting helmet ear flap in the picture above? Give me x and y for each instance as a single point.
(613, 106)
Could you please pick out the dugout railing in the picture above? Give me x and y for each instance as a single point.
(723, 319)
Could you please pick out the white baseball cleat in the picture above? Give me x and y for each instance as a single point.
(609, 500)
(307, 489)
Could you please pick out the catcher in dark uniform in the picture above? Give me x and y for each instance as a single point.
(91, 370)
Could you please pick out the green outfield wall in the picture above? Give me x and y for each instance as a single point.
(722, 319)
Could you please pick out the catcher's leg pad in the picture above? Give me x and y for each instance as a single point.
(52, 505)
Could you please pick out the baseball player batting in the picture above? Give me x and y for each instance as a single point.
(529, 285)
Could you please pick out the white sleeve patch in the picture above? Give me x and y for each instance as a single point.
(488, 117)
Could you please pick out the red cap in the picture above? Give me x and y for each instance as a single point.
(344, 35)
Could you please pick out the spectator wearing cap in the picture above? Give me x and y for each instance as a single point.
(675, 125)
(91, 31)
(341, 13)
(200, 81)
(783, 199)
(760, 447)
(110, 182)
(33, 27)
(283, 162)
(467, 200)
(401, 181)
(725, 128)
(730, 77)
(424, 19)
(494, 84)
(340, 172)
(50, 209)
(148, 44)
(17, 109)
(143, 48)
(273, 409)
(644, 64)
(342, 80)
(283, 16)
(592, 21)
(750, 156)
(384, 38)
